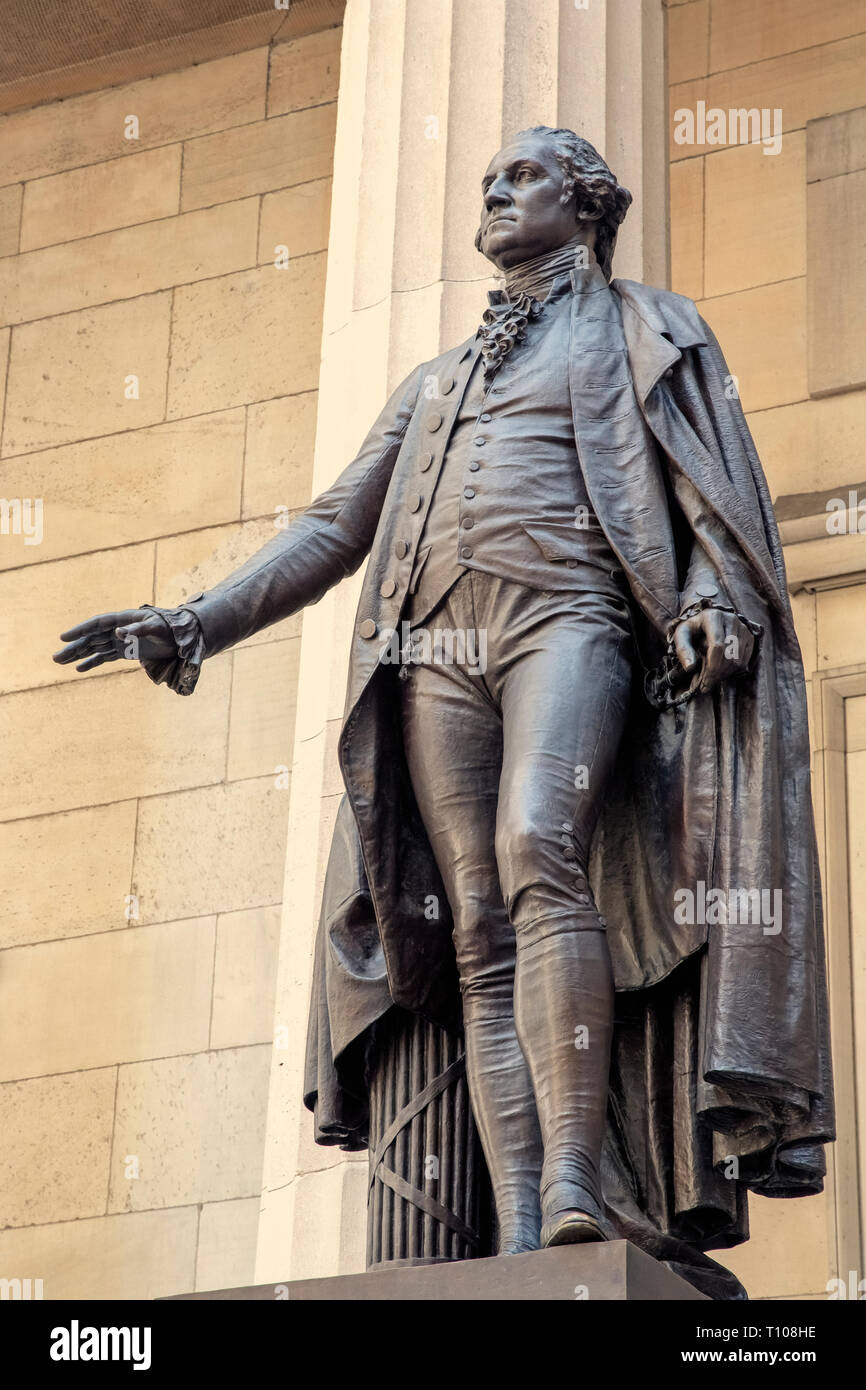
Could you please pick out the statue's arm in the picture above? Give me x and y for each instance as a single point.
(327, 542)
(706, 395)
(702, 580)
(717, 610)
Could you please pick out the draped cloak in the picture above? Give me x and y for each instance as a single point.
(720, 1077)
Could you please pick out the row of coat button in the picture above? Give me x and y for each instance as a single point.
(468, 522)
(466, 551)
(433, 421)
(388, 587)
(434, 418)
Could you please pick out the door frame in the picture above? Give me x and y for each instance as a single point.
(830, 689)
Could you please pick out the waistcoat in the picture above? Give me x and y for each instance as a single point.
(511, 498)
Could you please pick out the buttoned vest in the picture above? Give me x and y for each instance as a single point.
(511, 499)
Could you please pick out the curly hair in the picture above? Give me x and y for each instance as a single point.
(587, 174)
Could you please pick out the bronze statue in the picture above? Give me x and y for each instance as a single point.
(576, 726)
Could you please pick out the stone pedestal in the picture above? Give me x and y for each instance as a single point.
(613, 1271)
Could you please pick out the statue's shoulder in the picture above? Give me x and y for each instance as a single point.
(453, 356)
(674, 315)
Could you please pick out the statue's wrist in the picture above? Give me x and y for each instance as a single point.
(180, 672)
(700, 605)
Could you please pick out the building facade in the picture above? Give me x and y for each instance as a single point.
(213, 235)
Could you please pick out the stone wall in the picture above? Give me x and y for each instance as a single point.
(162, 266)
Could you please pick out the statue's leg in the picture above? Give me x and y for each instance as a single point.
(453, 740)
(564, 707)
(564, 1011)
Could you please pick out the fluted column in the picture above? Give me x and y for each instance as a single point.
(428, 93)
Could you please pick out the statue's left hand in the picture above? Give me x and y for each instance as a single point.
(718, 641)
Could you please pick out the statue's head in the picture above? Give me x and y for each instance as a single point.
(542, 189)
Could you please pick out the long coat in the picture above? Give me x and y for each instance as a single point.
(726, 1022)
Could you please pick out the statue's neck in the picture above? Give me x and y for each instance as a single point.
(537, 275)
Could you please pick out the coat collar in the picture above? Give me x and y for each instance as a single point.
(658, 325)
(559, 286)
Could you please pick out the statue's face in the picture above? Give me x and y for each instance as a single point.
(522, 216)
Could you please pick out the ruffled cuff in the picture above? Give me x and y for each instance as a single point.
(180, 672)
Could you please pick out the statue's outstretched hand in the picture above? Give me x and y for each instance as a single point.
(716, 640)
(132, 634)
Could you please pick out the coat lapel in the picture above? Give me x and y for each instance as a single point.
(651, 353)
(617, 452)
(656, 336)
